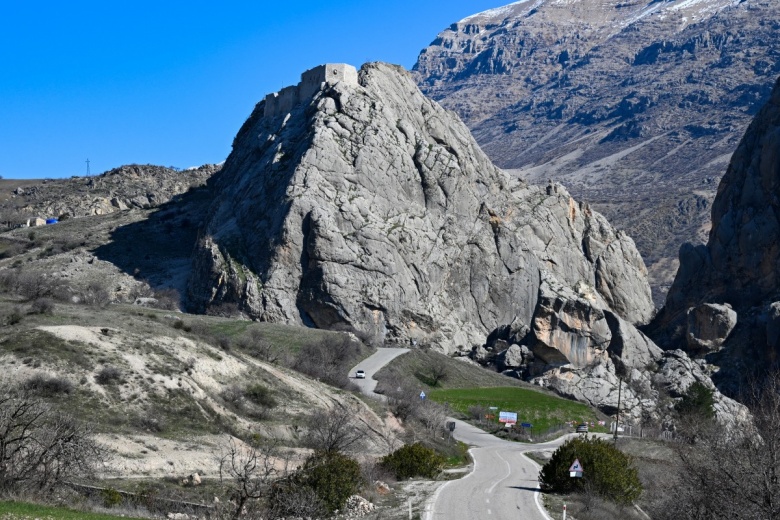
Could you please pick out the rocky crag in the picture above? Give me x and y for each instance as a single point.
(636, 106)
(126, 187)
(368, 207)
(724, 305)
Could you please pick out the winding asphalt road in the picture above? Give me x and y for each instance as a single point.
(504, 483)
(371, 365)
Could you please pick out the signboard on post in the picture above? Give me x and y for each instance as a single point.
(507, 417)
(422, 395)
(575, 471)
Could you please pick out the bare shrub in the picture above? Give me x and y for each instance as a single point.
(728, 473)
(48, 386)
(108, 375)
(32, 286)
(168, 299)
(329, 360)
(149, 424)
(248, 471)
(258, 347)
(96, 293)
(42, 306)
(335, 430)
(225, 310)
(39, 448)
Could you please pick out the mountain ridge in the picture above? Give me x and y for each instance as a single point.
(639, 121)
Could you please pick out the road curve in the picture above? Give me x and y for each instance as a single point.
(371, 365)
(503, 485)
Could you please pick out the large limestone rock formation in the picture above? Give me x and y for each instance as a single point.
(370, 208)
(636, 106)
(740, 265)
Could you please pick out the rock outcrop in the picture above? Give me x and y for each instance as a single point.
(370, 208)
(635, 106)
(739, 266)
(127, 187)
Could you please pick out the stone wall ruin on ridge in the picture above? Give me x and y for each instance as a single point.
(282, 102)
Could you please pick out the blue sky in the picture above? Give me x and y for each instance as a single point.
(170, 83)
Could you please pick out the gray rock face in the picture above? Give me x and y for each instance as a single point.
(709, 325)
(773, 326)
(371, 208)
(740, 265)
(635, 106)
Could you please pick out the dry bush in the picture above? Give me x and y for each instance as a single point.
(39, 448)
(335, 430)
(329, 360)
(108, 375)
(248, 472)
(728, 474)
(258, 347)
(96, 293)
(42, 306)
(47, 386)
(167, 299)
(32, 286)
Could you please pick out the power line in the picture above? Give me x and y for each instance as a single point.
(87, 167)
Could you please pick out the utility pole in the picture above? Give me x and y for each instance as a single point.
(87, 167)
(617, 422)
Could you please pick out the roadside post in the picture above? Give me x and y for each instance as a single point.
(564, 511)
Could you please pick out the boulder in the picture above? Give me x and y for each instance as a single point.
(709, 325)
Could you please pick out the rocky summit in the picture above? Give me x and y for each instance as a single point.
(723, 304)
(365, 206)
(636, 106)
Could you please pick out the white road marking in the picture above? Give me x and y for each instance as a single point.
(508, 472)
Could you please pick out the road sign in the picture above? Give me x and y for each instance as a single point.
(451, 425)
(576, 470)
(422, 395)
(507, 417)
(526, 425)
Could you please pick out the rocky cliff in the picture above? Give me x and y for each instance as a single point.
(722, 303)
(370, 208)
(636, 106)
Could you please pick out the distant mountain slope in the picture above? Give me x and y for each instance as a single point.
(636, 106)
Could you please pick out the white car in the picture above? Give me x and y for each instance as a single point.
(360, 374)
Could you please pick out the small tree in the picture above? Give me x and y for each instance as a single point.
(335, 431)
(249, 472)
(414, 460)
(609, 473)
(333, 477)
(698, 400)
(437, 372)
(40, 448)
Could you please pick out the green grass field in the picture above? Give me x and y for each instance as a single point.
(24, 511)
(542, 410)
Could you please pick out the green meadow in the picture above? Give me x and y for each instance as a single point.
(543, 411)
